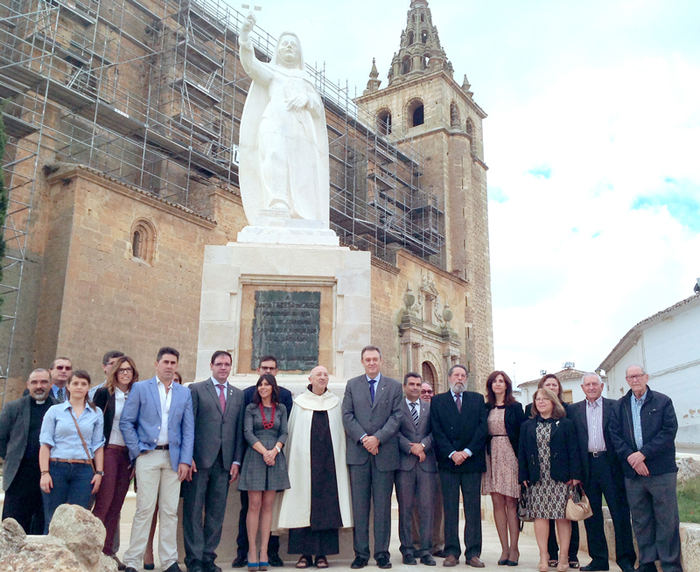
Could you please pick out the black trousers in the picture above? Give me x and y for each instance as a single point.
(23, 500)
(607, 479)
(470, 485)
(273, 548)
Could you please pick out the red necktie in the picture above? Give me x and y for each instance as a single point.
(458, 401)
(222, 399)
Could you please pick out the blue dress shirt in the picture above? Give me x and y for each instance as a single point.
(637, 418)
(58, 431)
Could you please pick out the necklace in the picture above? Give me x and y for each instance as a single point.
(267, 424)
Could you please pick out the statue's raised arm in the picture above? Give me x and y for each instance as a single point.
(283, 141)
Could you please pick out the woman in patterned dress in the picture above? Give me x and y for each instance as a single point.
(548, 462)
(264, 470)
(501, 477)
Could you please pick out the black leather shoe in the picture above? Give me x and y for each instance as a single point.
(409, 559)
(239, 562)
(211, 567)
(130, 569)
(440, 553)
(358, 563)
(427, 560)
(195, 566)
(384, 563)
(275, 560)
(594, 567)
(174, 567)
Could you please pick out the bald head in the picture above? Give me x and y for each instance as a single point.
(319, 379)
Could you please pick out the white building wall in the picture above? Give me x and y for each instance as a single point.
(669, 350)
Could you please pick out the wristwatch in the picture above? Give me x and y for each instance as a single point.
(101, 473)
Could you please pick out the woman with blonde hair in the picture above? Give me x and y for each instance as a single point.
(548, 462)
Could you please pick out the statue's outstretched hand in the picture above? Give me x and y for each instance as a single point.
(248, 25)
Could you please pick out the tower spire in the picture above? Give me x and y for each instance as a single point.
(373, 83)
(420, 51)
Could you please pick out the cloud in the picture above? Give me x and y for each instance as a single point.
(682, 201)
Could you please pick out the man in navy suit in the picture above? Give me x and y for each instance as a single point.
(602, 475)
(267, 364)
(158, 428)
(458, 424)
(371, 417)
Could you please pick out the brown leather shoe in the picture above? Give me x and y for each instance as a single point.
(450, 560)
(476, 562)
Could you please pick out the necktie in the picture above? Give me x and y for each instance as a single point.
(414, 413)
(222, 400)
(458, 401)
(59, 395)
(371, 390)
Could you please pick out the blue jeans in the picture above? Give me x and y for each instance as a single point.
(71, 485)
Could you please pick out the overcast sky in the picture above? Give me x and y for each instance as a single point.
(592, 143)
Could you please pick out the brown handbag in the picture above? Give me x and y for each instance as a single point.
(578, 507)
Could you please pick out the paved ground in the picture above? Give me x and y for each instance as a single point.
(491, 552)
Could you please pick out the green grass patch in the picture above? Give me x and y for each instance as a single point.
(689, 501)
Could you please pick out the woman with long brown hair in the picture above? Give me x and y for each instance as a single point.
(501, 477)
(264, 470)
(118, 471)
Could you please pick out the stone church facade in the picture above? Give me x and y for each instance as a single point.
(113, 263)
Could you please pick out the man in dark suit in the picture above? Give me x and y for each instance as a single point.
(417, 474)
(643, 431)
(20, 424)
(267, 364)
(371, 417)
(217, 408)
(602, 475)
(158, 429)
(458, 424)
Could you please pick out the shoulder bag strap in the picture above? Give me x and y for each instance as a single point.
(92, 461)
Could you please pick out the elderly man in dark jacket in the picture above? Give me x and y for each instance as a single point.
(643, 431)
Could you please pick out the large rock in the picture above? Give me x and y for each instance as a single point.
(688, 468)
(74, 544)
(83, 533)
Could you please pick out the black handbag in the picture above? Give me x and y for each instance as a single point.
(523, 502)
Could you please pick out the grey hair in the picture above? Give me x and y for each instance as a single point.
(591, 374)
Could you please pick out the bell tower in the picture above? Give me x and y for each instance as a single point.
(423, 107)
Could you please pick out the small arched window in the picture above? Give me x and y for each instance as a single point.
(384, 122)
(143, 241)
(470, 126)
(415, 113)
(410, 37)
(426, 61)
(424, 36)
(454, 115)
(406, 64)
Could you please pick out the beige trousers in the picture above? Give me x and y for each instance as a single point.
(157, 482)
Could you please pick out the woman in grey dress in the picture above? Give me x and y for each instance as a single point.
(264, 470)
(548, 461)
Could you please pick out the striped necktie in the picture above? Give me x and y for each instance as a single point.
(414, 413)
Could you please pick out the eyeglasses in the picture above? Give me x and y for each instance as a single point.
(125, 370)
(64, 367)
(636, 376)
(428, 391)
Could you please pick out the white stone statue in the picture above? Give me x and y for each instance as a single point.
(283, 140)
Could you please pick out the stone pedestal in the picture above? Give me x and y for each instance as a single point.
(233, 274)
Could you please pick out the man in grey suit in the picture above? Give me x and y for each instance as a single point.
(218, 448)
(417, 474)
(20, 423)
(371, 417)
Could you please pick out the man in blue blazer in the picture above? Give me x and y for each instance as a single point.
(158, 428)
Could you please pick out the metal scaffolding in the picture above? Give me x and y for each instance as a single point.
(151, 93)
